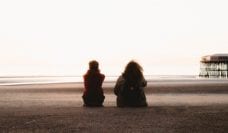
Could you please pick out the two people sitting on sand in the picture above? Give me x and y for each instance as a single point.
(129, 87)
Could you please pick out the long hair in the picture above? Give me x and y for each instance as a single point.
(133, 73)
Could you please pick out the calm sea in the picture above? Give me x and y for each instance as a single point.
(17, 80)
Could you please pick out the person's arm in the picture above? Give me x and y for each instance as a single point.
(85, 84)
(102, 80)
(118, 85)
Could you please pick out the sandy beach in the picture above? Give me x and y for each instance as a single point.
(174, 106)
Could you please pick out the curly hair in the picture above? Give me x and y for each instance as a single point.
(133, 73)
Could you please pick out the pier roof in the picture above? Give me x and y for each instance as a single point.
(215, 58)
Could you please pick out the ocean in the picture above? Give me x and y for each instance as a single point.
(19, 80)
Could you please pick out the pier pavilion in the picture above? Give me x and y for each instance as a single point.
(215, 66)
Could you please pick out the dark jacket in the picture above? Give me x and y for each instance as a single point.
(130, 96)
(93, 93)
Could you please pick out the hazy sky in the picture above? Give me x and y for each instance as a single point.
(45, 37)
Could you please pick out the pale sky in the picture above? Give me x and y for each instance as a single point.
(59, 37)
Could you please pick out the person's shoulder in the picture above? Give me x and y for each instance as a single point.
(120, 79)
(101, 75)
(85, 75)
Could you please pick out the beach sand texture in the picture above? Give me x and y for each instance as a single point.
(174, 106)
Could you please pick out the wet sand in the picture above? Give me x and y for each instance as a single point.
(208, 119)
(174, 106)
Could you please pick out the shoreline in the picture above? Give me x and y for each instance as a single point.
(25, 80)
(161, 86)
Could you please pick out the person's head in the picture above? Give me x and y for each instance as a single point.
(133, 71)
(93, 65)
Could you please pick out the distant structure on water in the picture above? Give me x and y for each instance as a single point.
(215, 66)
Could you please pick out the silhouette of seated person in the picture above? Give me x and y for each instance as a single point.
(93, 93)
(129, 87)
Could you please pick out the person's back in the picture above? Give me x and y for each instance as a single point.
(130, 87)
(93, 94)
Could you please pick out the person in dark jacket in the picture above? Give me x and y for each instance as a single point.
(129, 87)
(93, 93)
